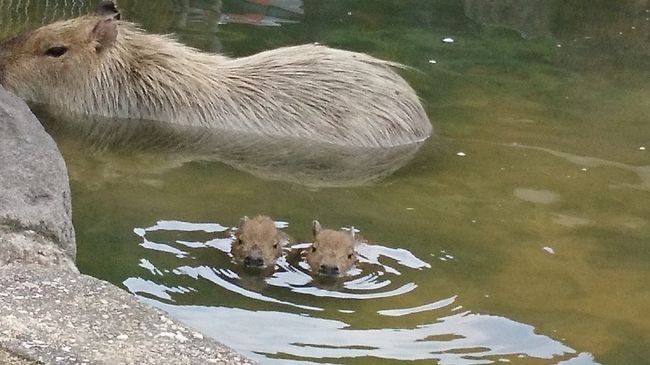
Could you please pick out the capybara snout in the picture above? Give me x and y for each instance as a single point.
(332, 252)
(258, 242)
(329, 270)
(254, 257)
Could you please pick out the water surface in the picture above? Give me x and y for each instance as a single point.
(520, 233)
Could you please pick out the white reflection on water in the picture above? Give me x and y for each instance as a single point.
(370, 280)
(449, 336)
(460, 339)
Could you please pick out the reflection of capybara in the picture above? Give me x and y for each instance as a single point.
(258, 242)
(332, 252)
(96, 64)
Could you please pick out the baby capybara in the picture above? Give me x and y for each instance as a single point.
(97, 64)
(258, 242)
(332, 252)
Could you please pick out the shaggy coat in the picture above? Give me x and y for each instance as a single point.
(97, 64)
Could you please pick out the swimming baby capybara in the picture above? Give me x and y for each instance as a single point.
(258, 242)
(332, 252)
(97, 64)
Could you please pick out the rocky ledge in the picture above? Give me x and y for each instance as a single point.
(49, 312)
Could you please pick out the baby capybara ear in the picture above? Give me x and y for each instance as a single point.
(242, 222)
(109, 9)
(315, 228)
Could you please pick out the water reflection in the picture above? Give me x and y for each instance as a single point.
(197, 17)
(269, 157)
(448, 334)
(453, 339)
(616, 32)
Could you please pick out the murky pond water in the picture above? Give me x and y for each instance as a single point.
(520, 233)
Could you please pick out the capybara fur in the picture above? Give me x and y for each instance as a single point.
(97, 64)
(332, 252)
(258, 242)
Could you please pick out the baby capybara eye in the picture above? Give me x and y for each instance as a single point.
(57, 51)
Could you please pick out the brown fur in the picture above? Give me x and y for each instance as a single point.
(258, 243)
(114, 69)
(332, 252)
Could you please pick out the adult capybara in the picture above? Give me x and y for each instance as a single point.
(97, 64)
(258, 242)
(332, 252)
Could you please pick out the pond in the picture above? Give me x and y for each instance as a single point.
(519, 233)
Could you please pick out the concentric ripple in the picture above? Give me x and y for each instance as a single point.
(291, 317)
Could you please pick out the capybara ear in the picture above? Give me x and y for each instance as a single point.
(243, 221)
(108, 9)
(315, 228)
(105, 33)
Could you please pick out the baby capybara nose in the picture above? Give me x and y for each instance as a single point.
(330, 270)
(253, 261)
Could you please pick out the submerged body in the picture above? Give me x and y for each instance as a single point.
(96, 64)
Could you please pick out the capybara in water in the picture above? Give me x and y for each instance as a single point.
(97, 64)
(258, 242)
(332, 252)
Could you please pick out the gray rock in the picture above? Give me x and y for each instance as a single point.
(87, 320)
(34, 186)
(7, 358)
(30, 248)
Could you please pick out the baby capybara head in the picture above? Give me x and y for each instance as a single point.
(332, 252)
(56, 56)
(258, 242)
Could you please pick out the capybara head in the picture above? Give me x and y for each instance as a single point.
(332, 252)
(55, 56)
(258, 242)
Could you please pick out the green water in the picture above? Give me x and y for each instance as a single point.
(530, 207)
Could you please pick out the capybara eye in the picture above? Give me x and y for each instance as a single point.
(350, 257)
(313, 249)
(275, 246)
(57, 51)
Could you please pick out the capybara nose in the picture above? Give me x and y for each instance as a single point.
(253, 261)
(329, 270)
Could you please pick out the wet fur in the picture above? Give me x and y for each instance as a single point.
(308, 91)
(258, 238)
(331, 249)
